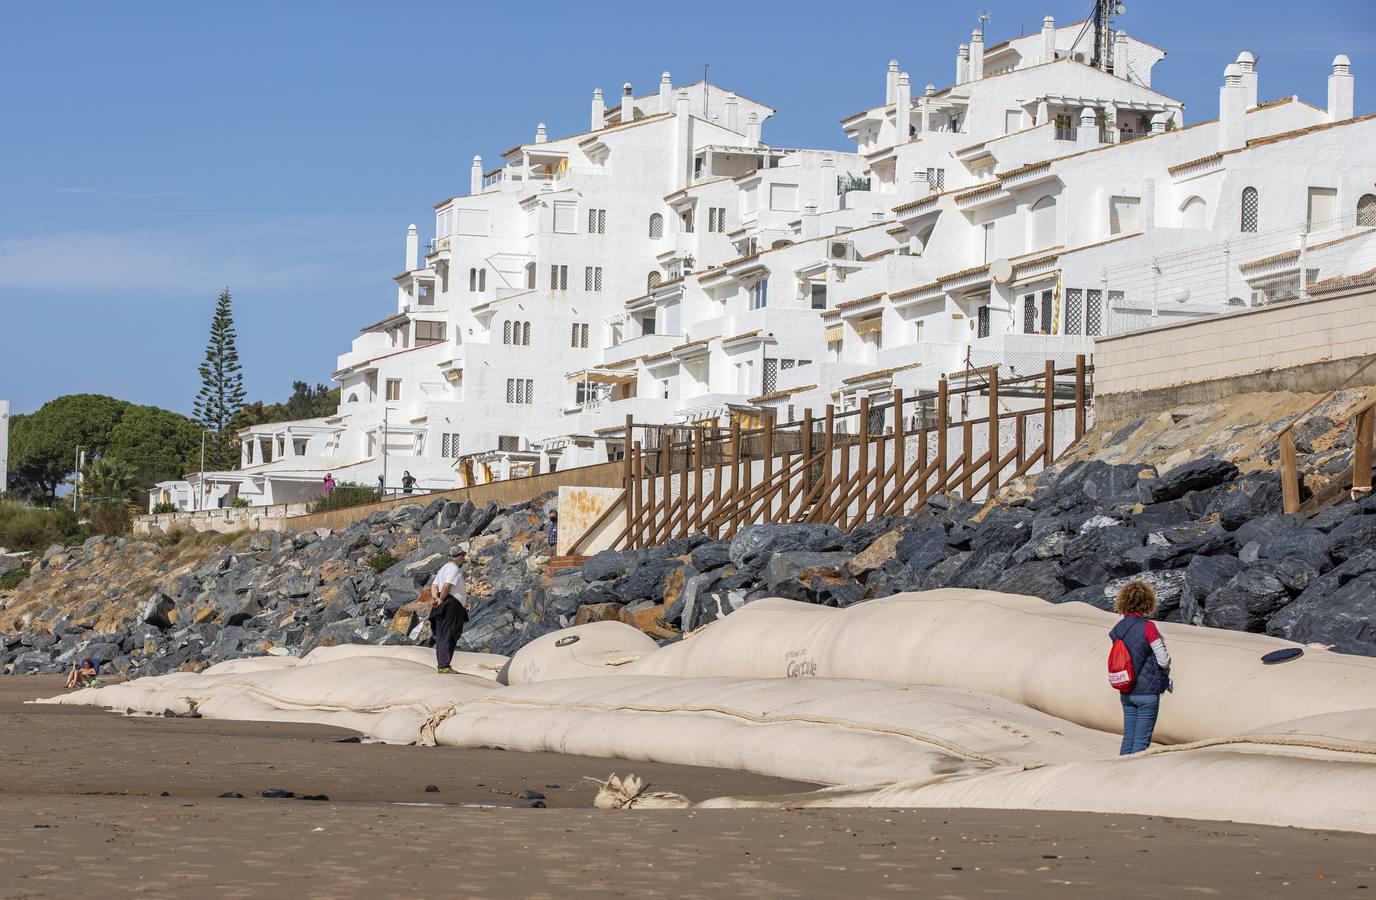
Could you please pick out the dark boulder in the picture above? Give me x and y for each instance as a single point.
(1198, 475)
(1345, 618)
(1040, 578)
(711, 555)
(755, 541)
(922, 549)
(1247, 601)
(1203, 576)
(1355, 534)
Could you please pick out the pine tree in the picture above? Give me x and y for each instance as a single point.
(222, 387)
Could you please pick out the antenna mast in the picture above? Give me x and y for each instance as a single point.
(1105, 12)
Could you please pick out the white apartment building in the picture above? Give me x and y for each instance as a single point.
(669, 265)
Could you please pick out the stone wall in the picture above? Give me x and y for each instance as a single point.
(1303, 346)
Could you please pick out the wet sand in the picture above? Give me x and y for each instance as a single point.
(82, 811)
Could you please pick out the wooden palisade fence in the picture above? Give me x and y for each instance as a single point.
(844, 468)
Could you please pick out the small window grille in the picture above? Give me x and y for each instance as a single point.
(1074, 299)
(1249, 209)
(1093, 312)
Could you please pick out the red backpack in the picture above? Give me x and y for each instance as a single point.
(1121, 676)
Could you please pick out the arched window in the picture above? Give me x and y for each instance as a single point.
(1194, 213)
(1249, 209)
(530, 275)
(1041, 226)
(653, 280)
(506, 332)
(1366, 211)
(353, 398)
(525, 335)
(482, 280)
(472, 280)
(656, 226)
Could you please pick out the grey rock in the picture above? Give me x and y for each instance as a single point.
(922, 549)
(711, 555)
(1197, 475)
(1040, 578)
(1203, 576)
(1247, 601)
(155, 610)
(755, 541)
(1345, 618)
(1355, 534)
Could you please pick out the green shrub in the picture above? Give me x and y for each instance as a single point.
(38, 528)
(240, 503)
(12, 579)
(345, 495)
(381, 562)
(161, 508)
(109, 518)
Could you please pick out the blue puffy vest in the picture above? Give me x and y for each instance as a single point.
(1131, 630)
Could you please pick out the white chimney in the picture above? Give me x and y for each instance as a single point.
(666, 92)
(976, 54)
(752, 129)
(1340, 85)
(1087, 135)
(962, 64)
(1158, 122)
(627, 103)
(1120, 55)
(541, 136)
(811, 227)
(731, 123)
(412, 249)
(1048, 39)
(891, 81)
(1248, 64)
(1232, 110)
(599, 110)
(475, 176)
(903, 109)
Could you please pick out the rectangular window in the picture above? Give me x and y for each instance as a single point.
(787, 363)
(819, 296)
(716, 219)
(685, 220)
(1012, 120)
(918, 328)
(1048, 311)
(783, 197)
(771, 376)
(983, 316)
(508, 443)
(580, 335)
(592, 278)
(1074, 300)
(519, 390)
(988, 242)
(449, 445)
(759, 294)
(429, 333)
(564, 216)
(1123, 214)
(1323, 208)
(647, 325)
(1093, 314)
(597, 221)
(393, 388)
(1029, 314)
(558, 278)
(936, 179)
(583, 392)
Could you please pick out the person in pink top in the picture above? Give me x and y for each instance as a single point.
(329, 483)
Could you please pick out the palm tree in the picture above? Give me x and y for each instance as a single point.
(108, 478)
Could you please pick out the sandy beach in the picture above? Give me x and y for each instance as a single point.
(84, 808)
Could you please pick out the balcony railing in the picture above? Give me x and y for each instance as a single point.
(1065, 133)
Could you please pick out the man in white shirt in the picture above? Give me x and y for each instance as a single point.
(448, 612)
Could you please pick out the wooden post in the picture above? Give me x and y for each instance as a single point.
(1049, 411)
(638, 477)
(1361, 452)
(862, 465)
(735, 476)
(808, 477)
(942, 401)
(628, 497)
(1289, 472)
(1079, 396)
(967, 439)
(697, 479)
(921, 468)
(768, 464)
(900, 448)
(995, 454)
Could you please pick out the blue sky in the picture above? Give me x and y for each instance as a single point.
(155, 152)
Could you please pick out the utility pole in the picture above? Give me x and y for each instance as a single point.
(76, 482)
(385, 410)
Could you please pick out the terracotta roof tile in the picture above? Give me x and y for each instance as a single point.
(882, 373)
(859, 301)
(779, 395)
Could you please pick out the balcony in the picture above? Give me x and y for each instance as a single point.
(645, 345)
(1065, 133)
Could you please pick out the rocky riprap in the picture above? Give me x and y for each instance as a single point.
(1212, 541)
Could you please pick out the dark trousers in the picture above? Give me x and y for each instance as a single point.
(447, 621)
(1139, 721)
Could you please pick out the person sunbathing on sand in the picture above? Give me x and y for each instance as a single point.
(83, 673)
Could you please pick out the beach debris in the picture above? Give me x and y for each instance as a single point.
(432, 789)
(632, 792)
(531, 795)
(278, 794)
(232, 795)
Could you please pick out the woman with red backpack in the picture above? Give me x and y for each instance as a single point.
(1138, 664)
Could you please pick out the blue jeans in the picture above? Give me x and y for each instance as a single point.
(1139, 721)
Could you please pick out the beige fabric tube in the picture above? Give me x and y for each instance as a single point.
(1047, 656)
(583, 651)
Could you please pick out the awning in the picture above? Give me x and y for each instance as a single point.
(834, 334)
(602, 376)
(870, 326)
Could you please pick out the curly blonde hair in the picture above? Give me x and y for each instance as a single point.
(1135, 597)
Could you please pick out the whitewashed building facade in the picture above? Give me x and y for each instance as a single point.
(669, 265)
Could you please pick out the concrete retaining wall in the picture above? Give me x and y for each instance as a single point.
(1304, 346)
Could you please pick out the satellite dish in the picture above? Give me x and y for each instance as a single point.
(1182, 295)
(1001, 271)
